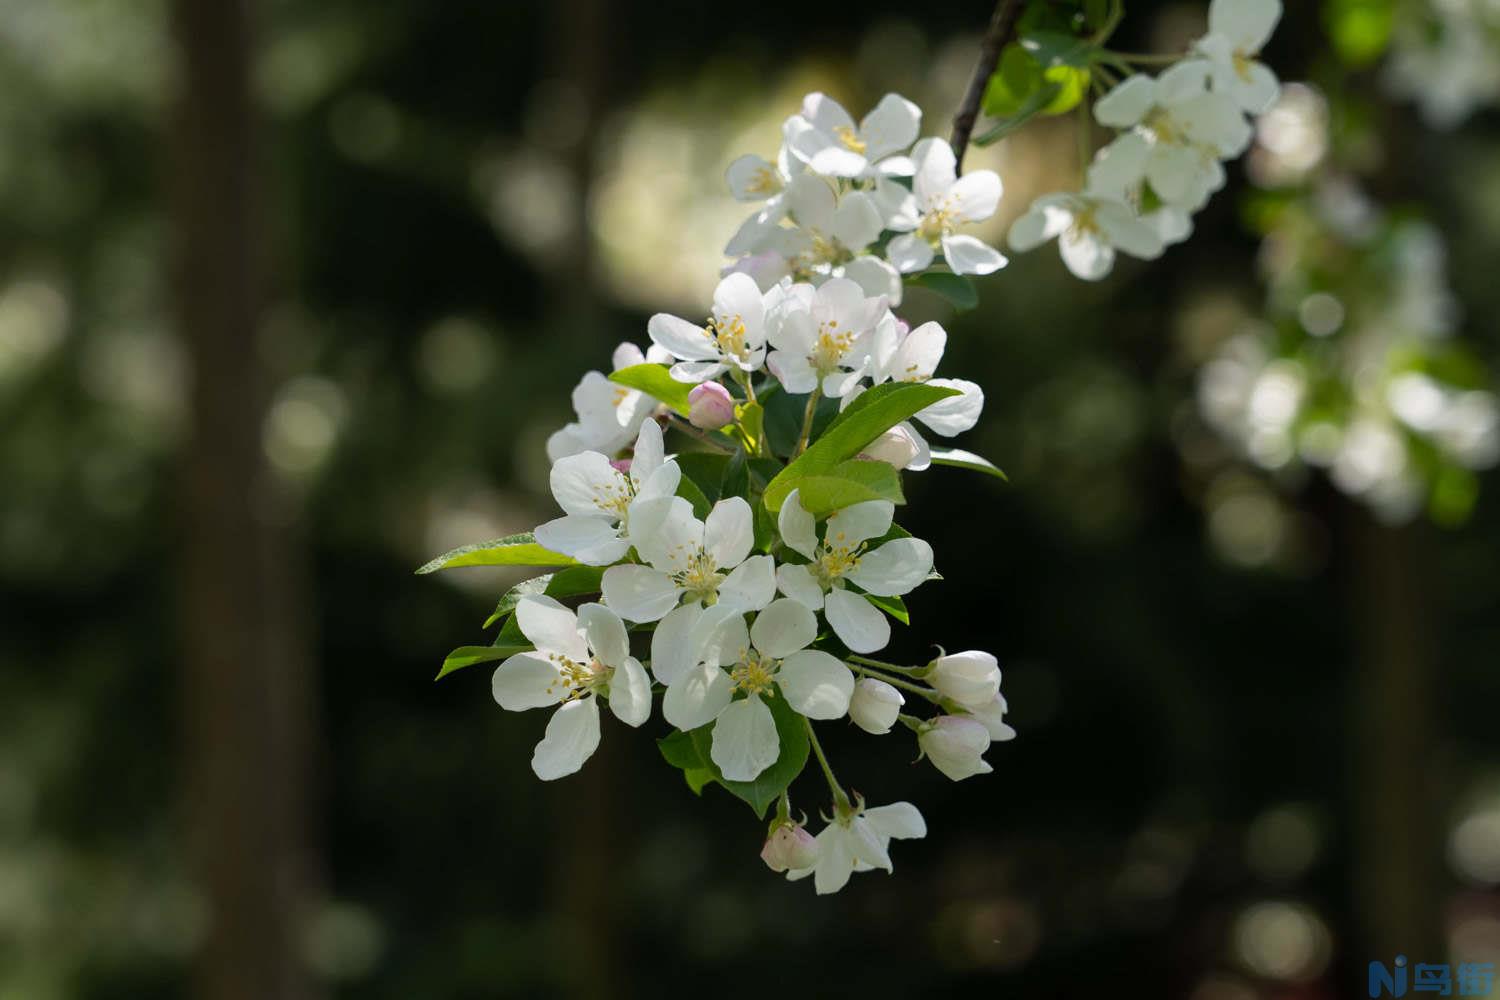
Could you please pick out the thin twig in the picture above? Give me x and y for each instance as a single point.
(1002, 28)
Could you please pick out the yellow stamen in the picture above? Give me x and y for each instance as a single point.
(849, 138)
(578, 680)
(728, 334)
(755, 673)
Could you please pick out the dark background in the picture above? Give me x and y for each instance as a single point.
(266, 347)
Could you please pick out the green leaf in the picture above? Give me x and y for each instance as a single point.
(569, 582)
(655, 382)
(689, 491)
(1057, 48)
(1072, 85)
(736, 481)
(1361, 29)
(956, 288)
(691, 752)
(706, 470)
(751, 418)
(960, 459)
(848, 483)
(871, 415)
(1013, 84)
(467, 656)
(513, 550)
(534, 587)
(893, 606)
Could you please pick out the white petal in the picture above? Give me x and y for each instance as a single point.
(865, 844)
(811, 201)
(797, 526)
(1048, 216)
(648, 455)
(1216, 120)
(857, 222)
(937, 170)
(751, 586)
(909, 253)
(793, 371)
(899, 821)
(1126, 231)
(1183, 81)
(572, 737)
(661, 483)
(1173, 173)
(784, 627)
(752, 178)
(859, 523)
(674, 539)
(858, 623)
(673, 648)
(697, 697)
(836, 161)
(639, 593)
(729, 532)
(1247, 23)
(955, 414)
(1087, 256)
(630, 693)
(745, 742)
(592, 540)
(798, 583)
(971, 255)
(890, 127)
(685, 340)
(739, 296)
(1128, 103)
(976, 195)
(835, 862)
(918, 356)
(551, 627)
(816, 684)
(526, 680)
(895, 568)
(1119, 167)
(1256, 89)
(825, 113)
(605, 634)
(876, 277)
(582, 483)
(697, 371)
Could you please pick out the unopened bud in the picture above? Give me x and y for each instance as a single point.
(874, 706)
(710, 406)
(993, 718)
(896, 446)
(955, 744)
(971, 678)
(789, 848)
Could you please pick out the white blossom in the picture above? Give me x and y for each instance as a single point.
(992, 716)
(875, 706)
(578, 659)
(822, 337)
(789, 846)
(734, 338)
(600, 501)
(1237, 31)
(772, 654)
(901, 355)
(825, 138)
(859, 841)
(608, 414)
(1089, 229)
(844, 555)
(971, 678)
(955, 744)
(939, 202)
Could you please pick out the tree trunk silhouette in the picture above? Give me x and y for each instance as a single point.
(246, 679)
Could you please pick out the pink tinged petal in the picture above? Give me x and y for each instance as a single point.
(1246, 23)
(605, 634)
(697, 697)
(798, 583)
(751, 586)
(858, 623)
(976, 195)
(971, 255)
(895, 568)
(630, 693)
(684, 340)
(937, 170)
(572, 737)
(955, 414)
(580, 482)
(816, 684)
(746, 176)
(784, 627)
(898, 821)
(1128, 103)
(526, 680)
(729, 532)
(745, 742)
(639, 593)
(909, 253)
(797, 526)
(860, 522)
(672, 644)
(891, 126)
(551, 627)
(857, 222)
(1087, 256)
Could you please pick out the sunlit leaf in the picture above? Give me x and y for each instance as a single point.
(656, 382)
(513, 550)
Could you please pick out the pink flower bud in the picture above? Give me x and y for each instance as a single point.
(620, 464)
(710, 406)
(789, 847)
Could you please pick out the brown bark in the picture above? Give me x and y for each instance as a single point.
(1002, 26)
(246, 677)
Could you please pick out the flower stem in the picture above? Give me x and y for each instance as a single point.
(840, 800)
(882, 665)
(807, 419)
(903, 684)
(693, 432)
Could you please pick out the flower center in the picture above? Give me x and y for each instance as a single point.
(614, 498)
(764, 182)
(578, 680)
(755, 673)
(937, 223)
(849, 139)
(1084, 223)
(836, 559)
(620, 394)
(728, 334)
(1242, 63)
(830, 347)
(1166, 129)
(699, 578)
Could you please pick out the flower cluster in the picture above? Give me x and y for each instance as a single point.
(1445, 55)
(1174, 133)
(1357, 372)
(859, 201)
